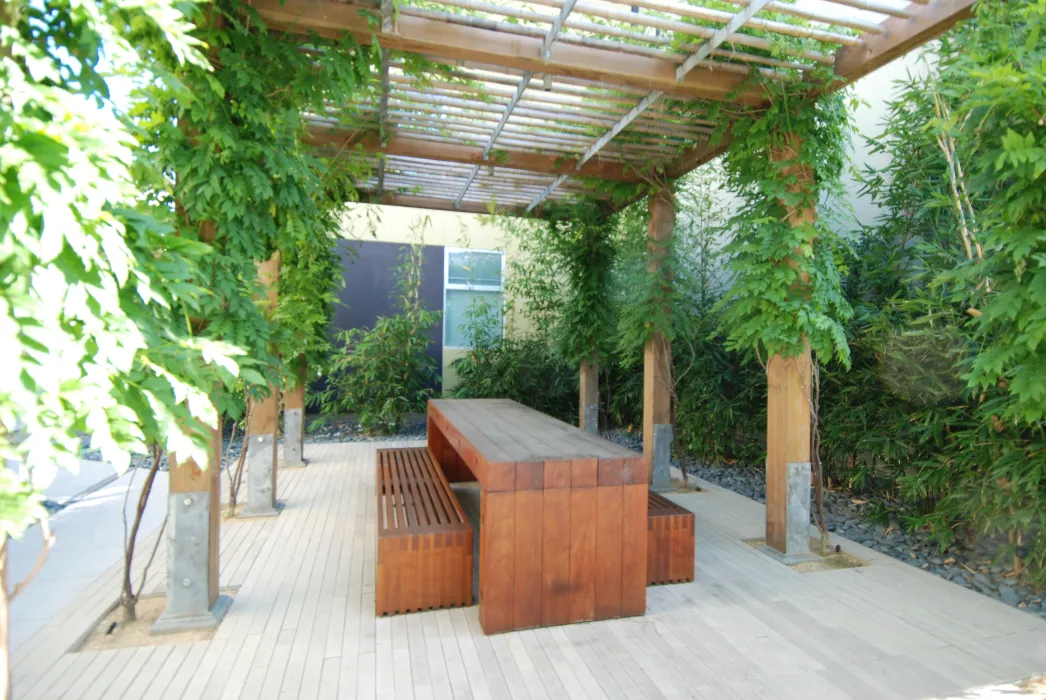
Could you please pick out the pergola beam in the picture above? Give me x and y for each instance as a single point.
(927, 22)
(553, 32)
(721, 35)
(922, 23)
(524, 83)
(545, 193)
(452, 42)
(652, 98)
(601, 143)
(335, 138)
(420, 202)
(520, 89)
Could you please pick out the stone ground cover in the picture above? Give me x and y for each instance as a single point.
(971, 567)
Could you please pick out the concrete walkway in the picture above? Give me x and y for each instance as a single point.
(88, 541)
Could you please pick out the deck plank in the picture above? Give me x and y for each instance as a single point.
(302, 624)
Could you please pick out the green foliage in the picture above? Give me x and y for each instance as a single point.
(522, 369)
(646, 304)
(246, 180)
(578, 242)
(95, 293)
(994, 75)
(939, 408)
(310, 275)
(559, 278)
(384, 372)
(786, 288)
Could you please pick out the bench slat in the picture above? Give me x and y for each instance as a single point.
(429, 487)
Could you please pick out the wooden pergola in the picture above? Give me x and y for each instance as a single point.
(522, 104)
(537, 101)
(530, 101)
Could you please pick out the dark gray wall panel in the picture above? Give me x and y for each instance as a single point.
(370, 280)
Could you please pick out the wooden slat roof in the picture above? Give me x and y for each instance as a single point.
(528, 102)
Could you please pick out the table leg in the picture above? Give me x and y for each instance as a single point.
(453, 466)
(496, 560)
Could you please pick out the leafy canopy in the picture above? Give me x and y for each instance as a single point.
(94, 288)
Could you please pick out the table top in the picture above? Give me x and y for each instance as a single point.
(502, 430)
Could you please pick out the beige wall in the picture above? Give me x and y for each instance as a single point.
(875, 91)
(390, 224)
(445, 228)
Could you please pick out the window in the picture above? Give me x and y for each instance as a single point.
(472, 289)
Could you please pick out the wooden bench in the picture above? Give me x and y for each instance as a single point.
(670, 541)
(424, 540)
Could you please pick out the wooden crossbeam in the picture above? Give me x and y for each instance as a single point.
(901, 35)
(418, 202)
(451, 42)
(721, 35)
(324, 137)
(917, 25)
(654, 96)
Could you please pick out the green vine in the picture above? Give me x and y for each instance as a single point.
(232, 140)
(785, 160)
(94, 288)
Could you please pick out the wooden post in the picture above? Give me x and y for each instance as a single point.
(588, 405)
(188, 478)
(294, 420)
(788, 388)
(261, 448)
(5, 632)
(657, 354)
(194, 523)
(192, 543)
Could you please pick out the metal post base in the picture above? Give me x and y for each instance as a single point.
(188, 562)
(797, 517)
(261, 461)
(592, 419)
(662, 466)
(170, 624)
(293, 438)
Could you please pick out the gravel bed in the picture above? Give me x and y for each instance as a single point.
(347, 431)
(341, 431)
(972, 568)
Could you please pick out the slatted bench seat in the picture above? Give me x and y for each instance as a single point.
(670, 541)
(424, 540)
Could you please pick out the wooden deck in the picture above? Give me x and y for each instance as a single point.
(303, 625)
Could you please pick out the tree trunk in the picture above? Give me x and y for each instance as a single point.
(5, 651)
(129, 600)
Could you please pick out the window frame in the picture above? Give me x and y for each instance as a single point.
(457, 286)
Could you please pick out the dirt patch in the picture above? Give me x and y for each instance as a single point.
(679, 487)
(832, 561)
(112, 632)
(226, 515)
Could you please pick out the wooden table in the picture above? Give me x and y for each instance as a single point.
(563, 515)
